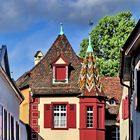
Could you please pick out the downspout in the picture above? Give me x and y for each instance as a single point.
(122, 83)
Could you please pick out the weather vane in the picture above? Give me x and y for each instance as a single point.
(90, 25)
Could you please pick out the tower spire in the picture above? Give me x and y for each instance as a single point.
(61, 29)
(89, 49)
(89, 80)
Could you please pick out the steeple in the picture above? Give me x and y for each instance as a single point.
(89, 49)
(61, 29)
(89, 78)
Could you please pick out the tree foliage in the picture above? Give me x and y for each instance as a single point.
(107, 38)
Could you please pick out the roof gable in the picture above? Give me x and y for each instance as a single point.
(60, 60)
(4, 60)
(42, 74)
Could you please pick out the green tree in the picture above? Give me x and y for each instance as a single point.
(107, 38)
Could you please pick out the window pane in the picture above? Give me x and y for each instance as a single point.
(12, 128)
(59, 116)
(115, 133)
(5, 124)
(1, 121)
(89, 120)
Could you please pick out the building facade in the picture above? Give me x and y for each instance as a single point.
(129, 76)
(10, 98)
(64, 96)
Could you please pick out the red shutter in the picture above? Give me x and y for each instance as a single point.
(47, 116)
(60, 73)
(126, 108)
(123, 107)
(71, 116)
(100, 117)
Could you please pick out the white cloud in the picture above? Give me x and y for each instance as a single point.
(17, 15)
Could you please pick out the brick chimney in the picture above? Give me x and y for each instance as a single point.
(38, 56)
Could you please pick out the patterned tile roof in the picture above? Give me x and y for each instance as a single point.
(89, 80)
(40, 77)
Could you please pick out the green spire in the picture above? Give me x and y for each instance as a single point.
(61, 29)
(89, 49)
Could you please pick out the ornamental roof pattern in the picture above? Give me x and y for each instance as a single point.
(89, 79)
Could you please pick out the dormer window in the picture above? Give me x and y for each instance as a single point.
(60, 70)
(112, 102)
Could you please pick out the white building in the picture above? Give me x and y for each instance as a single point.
(130, 79)
(10, 98)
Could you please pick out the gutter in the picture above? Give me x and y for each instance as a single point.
(122, 83)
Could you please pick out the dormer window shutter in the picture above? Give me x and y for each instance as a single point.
(60, 73)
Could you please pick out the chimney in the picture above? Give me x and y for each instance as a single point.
(38, 56)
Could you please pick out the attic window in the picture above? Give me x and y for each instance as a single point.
(60, 70)
(112, 102)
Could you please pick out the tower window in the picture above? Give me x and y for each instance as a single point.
(89, 120)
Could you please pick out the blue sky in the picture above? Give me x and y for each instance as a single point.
(27, 26)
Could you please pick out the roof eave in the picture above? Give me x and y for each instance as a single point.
(128, 51)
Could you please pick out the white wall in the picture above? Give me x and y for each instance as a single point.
(135, 115)
(23, 131)
(8, 98)
(10, 102)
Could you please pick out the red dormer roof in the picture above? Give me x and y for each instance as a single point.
(60, 60)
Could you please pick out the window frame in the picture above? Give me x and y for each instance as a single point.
(116, 132)
(63, 81)
(59, 103)
(60, 111)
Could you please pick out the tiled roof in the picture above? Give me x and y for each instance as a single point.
(39, 78)
(24, 80)
(89, 80)
(112, 88)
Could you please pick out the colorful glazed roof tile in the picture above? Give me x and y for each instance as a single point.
(89, 80)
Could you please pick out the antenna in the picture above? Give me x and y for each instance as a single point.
(90, 25)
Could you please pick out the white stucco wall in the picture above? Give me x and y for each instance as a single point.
(23, 132)
(8, 98)
(10, 102)
(135, 115)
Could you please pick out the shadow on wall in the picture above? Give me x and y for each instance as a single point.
(32, 135)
